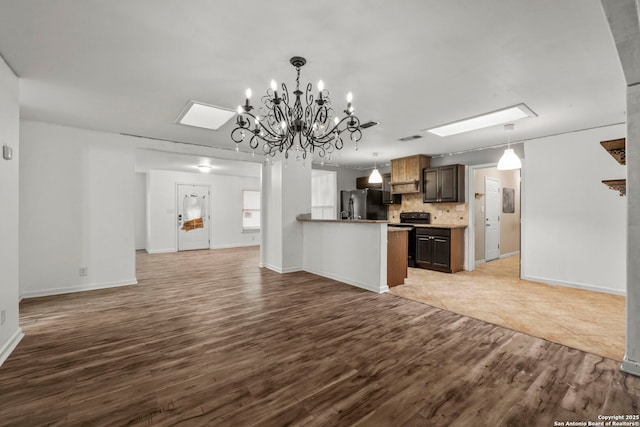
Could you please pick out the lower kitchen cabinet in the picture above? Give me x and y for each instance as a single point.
(440, 249)
(397, 256)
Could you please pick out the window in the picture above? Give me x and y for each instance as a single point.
(250, 210)
(323, 194)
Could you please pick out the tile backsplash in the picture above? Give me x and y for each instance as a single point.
(441, 213)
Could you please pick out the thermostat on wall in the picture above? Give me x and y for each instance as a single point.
(7, 152)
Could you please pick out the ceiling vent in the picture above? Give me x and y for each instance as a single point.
(368, 124)
(410, 138)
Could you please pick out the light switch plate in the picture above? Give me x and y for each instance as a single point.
(7, 152)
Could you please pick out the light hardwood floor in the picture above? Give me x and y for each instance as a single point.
(207, 338)
(586, 320)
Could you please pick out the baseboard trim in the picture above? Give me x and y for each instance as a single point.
(10, 345)
(161, 251)
(509, 254)
(630, 367)
(574, 285)
(235, 245)
(356, 283)
(282, 270)
(480, 261)
(81, 288)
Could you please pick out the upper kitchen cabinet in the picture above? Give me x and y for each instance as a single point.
(443, 184)
(406, 173)
(387, 197)
(362, 183)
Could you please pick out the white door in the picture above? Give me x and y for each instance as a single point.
(193, 217)
(491, 218)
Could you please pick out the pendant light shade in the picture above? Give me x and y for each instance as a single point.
(375, 177)
(509, 160)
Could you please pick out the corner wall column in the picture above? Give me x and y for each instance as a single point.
(625, 27)
(286, 193)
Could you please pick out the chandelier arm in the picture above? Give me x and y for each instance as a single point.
(247, 126)
(285, 94)
(286, 125)
(309, 94)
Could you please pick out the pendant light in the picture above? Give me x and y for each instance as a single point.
(375, 177)
(509, 160)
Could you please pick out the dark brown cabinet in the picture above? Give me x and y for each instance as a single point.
(387, 197)
(443, 184)
(363, 183)
(440, 249)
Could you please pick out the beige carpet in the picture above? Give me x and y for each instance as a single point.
(589, 321)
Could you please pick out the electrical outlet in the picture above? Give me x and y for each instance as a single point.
(3, 316)
(84, 271)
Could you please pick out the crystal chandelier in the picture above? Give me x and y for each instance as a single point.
(299, 125)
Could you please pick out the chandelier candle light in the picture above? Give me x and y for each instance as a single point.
(284, 124)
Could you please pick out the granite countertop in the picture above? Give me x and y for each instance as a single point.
(396, 224)
(440, 225)
(398, 229)
(350, 221)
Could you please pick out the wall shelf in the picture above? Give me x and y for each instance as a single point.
(617, 149)
(619, 185)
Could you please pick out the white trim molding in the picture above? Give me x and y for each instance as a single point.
(282, 270)
(10, 345)
(630, 366)
(573, 285)
(81, 288)
(366, 286)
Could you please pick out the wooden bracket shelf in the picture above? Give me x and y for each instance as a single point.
(617, 149)
(619, 185)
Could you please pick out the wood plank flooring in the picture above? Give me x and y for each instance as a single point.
(207, 338)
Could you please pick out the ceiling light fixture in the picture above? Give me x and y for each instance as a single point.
(286, 124)
(493, 118)
(204, 168)
(375, 177)
(203, 115)
(509, 160)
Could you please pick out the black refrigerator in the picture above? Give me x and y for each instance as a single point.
(362, 204)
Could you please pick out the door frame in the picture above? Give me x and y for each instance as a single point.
(499, 210)
(178, 209)
(470, 236)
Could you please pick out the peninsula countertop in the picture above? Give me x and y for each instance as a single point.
(381, 221)
(398, 224)
(347, 221)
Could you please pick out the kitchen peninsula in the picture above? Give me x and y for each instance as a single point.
(351, 251)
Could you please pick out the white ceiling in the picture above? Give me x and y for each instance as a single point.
(130, 66)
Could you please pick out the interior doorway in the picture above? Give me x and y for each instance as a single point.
(504, 203)
(491, 218)
(193, 216)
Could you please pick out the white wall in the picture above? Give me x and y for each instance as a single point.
(353, 253)
(286, 194)
(574, 227)
(140, 210)
(76, 204)
(10, 333)
(226, 209)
